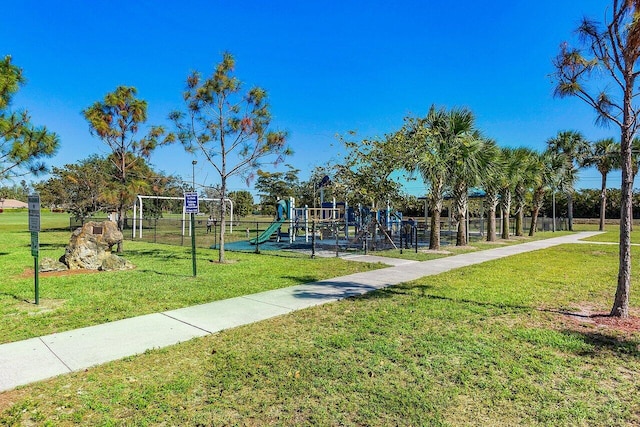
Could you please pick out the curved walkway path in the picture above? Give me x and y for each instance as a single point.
(36, 359)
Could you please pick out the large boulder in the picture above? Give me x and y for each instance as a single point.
(90, 247)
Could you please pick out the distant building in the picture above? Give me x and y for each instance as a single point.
(12, 204)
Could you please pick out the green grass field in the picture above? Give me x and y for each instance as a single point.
(491, 344)
(163, 280)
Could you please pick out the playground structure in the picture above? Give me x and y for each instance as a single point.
(334, 227)
(337, 225)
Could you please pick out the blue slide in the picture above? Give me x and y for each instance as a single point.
(282, 209)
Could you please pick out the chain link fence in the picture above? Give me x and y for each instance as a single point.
(318, 236)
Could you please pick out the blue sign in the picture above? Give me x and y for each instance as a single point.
(191, 205)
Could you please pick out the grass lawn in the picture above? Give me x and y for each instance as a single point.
(491, 344)
(163, 280)
(423, 254)
(613, 236)
(611, 233)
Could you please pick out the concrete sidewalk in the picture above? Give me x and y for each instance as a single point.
(36, 359)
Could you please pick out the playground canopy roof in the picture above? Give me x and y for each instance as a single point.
(473, 193)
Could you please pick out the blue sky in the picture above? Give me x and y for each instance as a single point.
(328, 66)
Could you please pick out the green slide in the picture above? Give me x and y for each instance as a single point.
(266, 234)
(282, 209)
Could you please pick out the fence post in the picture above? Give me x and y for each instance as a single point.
(366, 243)
(257, 240)
(313, 239)
(335, 231)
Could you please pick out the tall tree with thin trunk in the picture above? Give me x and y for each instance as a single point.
(22, 145)
(465, 146)
(604, 156)
(228, 127)
(511, 164)
(543, 170)
(471, 160)
(431, 138)
(524, 180)
(491, 184)
(575, 149)
(610, 62)
(116, 120)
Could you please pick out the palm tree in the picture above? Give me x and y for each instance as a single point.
(433, 162)
(491, 184)
(471, 161)
(605, 156)
(575, 148)
(435, 166)
(510, 171)
(542, 170)
(523, 179)
(463, 145)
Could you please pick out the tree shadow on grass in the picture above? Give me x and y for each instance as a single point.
(599, 342)
(614, 334)
(426, 291)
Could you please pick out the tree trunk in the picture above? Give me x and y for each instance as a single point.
(621, 302)
(434, 236)
(491, 225)
(461, 235)
(520, 222)
(534, 220)
(121, 210)
(123, 183)
(223, 216)
(461, 208)
(570, 210)
(435, 202)
(520, 201)
(505, 224)
(603, 201)
(492, 203)
(506, 210)
(538, 198)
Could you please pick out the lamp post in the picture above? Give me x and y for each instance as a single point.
(193, 174)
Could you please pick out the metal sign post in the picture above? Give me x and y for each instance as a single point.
(192, 207)
(33, 202)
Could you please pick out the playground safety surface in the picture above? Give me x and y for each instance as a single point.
(36, 359)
